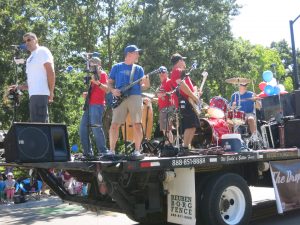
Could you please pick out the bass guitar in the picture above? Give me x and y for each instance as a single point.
(197, 107)
(117, 100)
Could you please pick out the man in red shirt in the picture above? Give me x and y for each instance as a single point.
(165, 105)
(190, 120)
(92, 116)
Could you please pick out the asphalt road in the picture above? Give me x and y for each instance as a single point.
(52, 211)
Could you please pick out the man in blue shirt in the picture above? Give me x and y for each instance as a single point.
(121, 75)
(243, 100)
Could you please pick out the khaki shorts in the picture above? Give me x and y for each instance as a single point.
(132, 105)
(163, 114)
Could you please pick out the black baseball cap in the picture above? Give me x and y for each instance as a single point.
(176, 57)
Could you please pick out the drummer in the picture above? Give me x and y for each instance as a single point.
(165, 105)
(243, 100)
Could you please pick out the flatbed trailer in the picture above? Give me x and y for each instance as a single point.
(194, 189)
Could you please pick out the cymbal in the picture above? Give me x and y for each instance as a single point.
(149, 95)
(251, 99)
(237, 80)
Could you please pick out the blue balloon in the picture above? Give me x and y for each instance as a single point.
(269, 90)
(69, 69)
(74, 148)
(267, 75)
(276, 90)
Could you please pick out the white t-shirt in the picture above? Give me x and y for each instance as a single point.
(36, 73)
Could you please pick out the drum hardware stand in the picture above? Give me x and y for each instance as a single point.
(146, 144)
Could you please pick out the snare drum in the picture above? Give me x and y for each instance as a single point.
(210, 132)
(236, 117)
(217, 107)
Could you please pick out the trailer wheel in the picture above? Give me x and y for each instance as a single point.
(226, 201)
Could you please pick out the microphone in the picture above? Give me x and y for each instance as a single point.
(19, 47)
(195, 64)
(69, 69)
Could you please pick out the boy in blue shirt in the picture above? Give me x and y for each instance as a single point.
(2, 187)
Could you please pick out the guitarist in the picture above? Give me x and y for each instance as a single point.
(92, 116)
(189, 120)
(165, 103)
(121, 75)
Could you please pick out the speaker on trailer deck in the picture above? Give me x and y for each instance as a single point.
(292, 133)
(37, 142)
(297, 103)
(277, 106)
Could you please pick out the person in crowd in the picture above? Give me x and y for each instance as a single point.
(10, 187)
(2, 187)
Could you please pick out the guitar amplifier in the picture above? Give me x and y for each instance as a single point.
(270, 135)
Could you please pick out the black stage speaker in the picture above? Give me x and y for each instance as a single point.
(37, 142)
(272, 107)
(292, 133)
(297, 103)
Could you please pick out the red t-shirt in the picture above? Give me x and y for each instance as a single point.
(175, 75)
(97, 94)
(166, 100)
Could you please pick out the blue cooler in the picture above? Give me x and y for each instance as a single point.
(232, 142)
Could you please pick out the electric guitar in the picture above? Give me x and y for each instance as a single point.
(117, 100)
(197, 107)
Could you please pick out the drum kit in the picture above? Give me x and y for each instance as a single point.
(219, 119)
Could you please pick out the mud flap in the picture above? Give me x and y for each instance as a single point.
(181, 197)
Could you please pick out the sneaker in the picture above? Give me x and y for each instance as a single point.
(136, 155)
(108, 152)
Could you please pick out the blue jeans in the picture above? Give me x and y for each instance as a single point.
(95, 116)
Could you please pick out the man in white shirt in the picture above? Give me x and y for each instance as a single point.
(40, 78)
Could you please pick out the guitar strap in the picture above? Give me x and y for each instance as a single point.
(132, 73)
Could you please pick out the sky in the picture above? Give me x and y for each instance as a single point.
(264, 21)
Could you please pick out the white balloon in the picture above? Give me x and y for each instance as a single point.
(281, 87)
(273, 82)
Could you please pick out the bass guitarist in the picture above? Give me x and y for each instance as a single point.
(121, 75)
(190, 120)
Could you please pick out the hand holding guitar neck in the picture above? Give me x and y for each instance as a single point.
(197, 105)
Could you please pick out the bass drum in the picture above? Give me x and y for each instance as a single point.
(209, 133)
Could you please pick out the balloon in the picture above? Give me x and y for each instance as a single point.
(262, 85)
(283, 92)
(273, 82)
(276, 90)
(262, 94)
(267, 75)
(74, 148)
(269, 90)
(281, 87)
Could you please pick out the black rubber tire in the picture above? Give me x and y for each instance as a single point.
(236, 194)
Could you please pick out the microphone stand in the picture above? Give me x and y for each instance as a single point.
(86, 106)
(15, 94)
